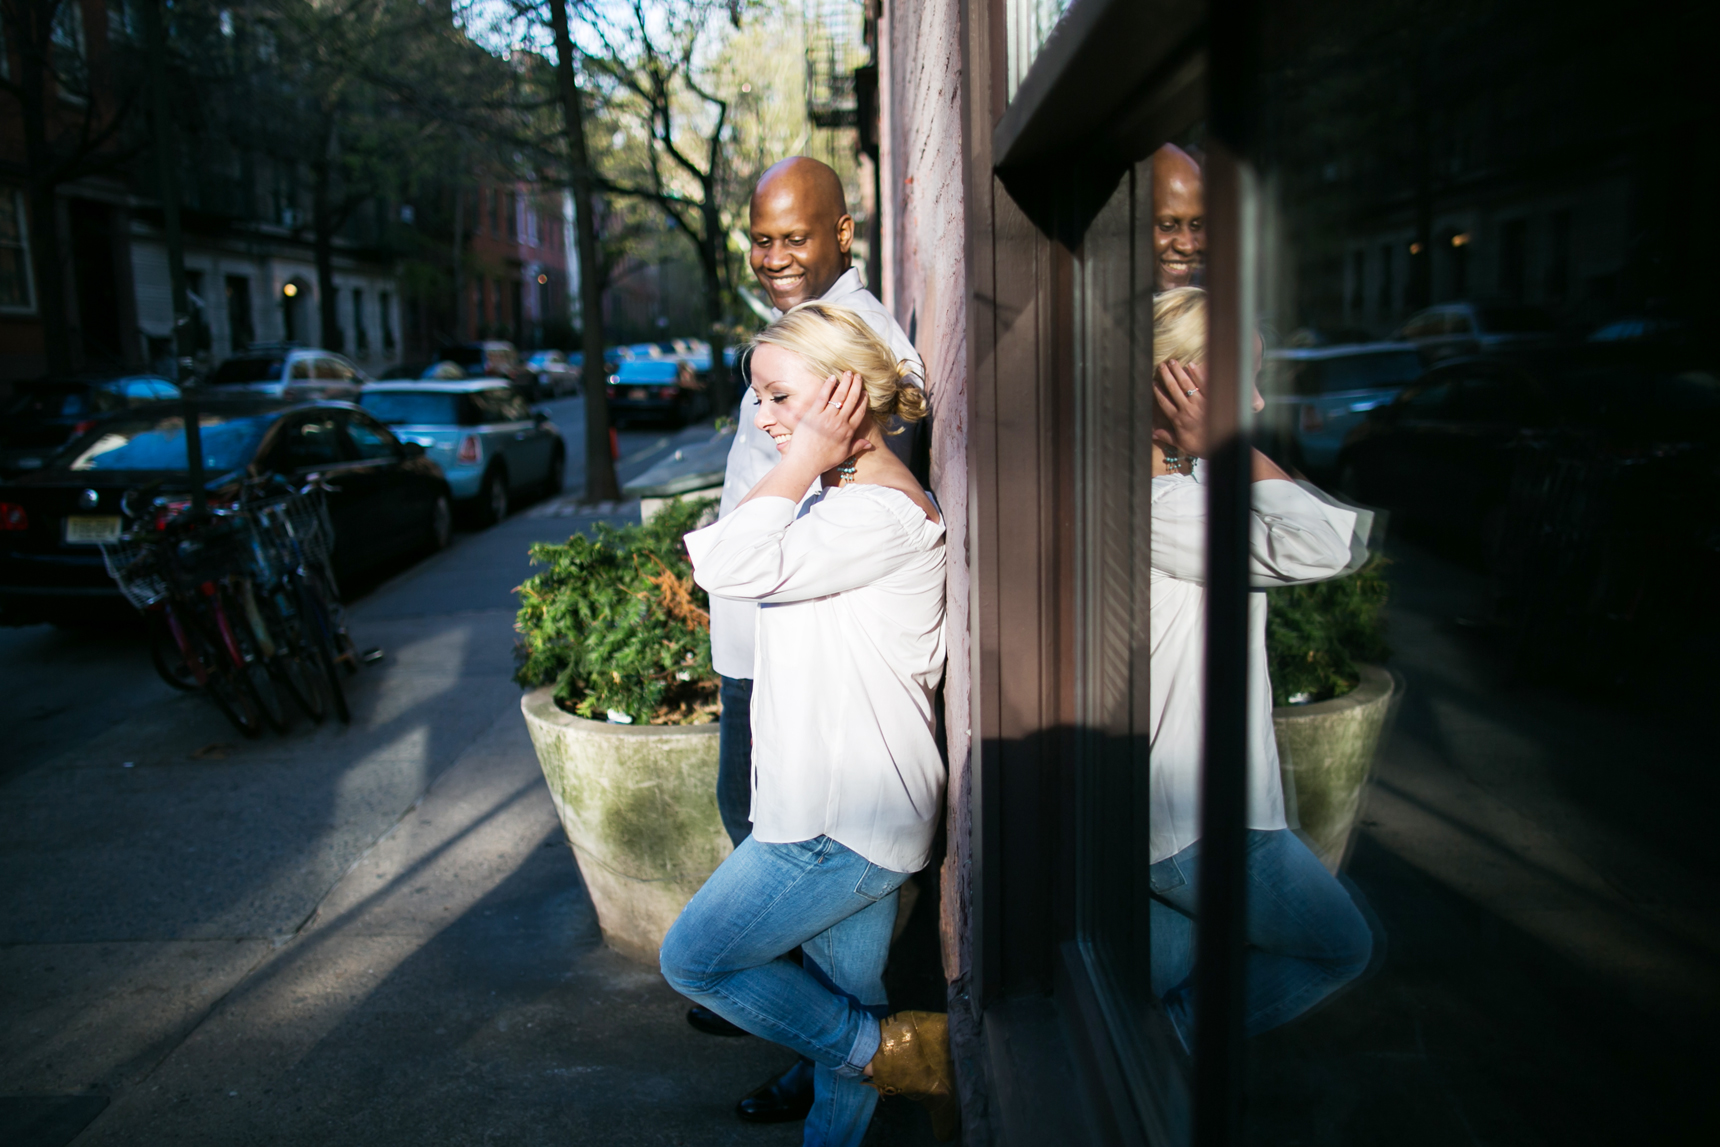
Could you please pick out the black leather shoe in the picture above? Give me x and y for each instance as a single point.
(785, 1099)
(709, 1022)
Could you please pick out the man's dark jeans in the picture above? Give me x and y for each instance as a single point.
(734, 759)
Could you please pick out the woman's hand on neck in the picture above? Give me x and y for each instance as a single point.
(836, 426)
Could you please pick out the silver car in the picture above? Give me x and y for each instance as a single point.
(288, 371)
(493, 448)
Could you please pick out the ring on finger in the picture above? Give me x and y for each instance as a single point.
(1191, 393)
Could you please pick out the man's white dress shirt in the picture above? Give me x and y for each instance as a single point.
(753, 454)
(850, 633)
(1292, 537)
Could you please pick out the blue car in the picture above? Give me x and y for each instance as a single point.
(1314, 395)
(493, 448)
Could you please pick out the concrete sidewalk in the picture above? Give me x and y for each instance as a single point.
(364, 935)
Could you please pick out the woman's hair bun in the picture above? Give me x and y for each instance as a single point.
(830, 339)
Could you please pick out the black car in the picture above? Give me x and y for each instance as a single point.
(40, 416)
(390, 500)
(1446, 450)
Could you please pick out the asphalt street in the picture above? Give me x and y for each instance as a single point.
(371, 934)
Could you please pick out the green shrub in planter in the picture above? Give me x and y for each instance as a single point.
(616, 623)
(1317, 634)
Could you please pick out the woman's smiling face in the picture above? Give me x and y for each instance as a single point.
(784, 388)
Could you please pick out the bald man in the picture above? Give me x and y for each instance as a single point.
(1179, 220)
(801, 235)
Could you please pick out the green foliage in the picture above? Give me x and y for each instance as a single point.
(1315, 634)
(616, 622)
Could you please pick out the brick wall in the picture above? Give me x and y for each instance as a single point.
(924, 285)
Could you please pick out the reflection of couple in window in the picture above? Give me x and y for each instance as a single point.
(1305, 937)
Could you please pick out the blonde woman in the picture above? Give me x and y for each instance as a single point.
(1306, 938)
(847, 782)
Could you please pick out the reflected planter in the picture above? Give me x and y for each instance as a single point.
(639, 806)
(1326, 756)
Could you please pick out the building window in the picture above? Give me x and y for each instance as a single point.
(1358, 282)
(514, 212)
(70, 58)
(1514, 258)
(496, 213)
(201, 338)
(1559, 255)
(360, 332)
(17, 292)
(240, 332)
(1387, 302)
(385, 304)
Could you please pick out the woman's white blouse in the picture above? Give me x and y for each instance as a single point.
(1292, 537)
(850, 647)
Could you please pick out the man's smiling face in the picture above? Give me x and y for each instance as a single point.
(1179, 220)
(800, 233)
(784, 390)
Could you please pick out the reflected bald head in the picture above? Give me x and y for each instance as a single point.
(801, 231)
(814, 185)
(1179, 219)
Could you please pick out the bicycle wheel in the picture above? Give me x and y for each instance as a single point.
(168, 659)
(246, 661)
(296, 666)
(229, 690)
(318, 619)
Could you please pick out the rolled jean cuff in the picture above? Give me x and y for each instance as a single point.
(865, 1047)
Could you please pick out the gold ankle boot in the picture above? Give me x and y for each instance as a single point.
(914, 1060)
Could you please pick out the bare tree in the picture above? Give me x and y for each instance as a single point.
(649, 60)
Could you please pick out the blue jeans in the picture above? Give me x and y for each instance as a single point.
(1306, 938)
(734, 758)
(725, 952)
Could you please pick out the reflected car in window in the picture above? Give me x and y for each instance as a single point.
(494, 448)
(1445, 451)
(1315, 396)
(389, 501)
(288, 371)
(656, 389)
(1452, 329)
(40, 416)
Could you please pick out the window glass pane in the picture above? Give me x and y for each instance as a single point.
(14, 253)
(372, 441)
(315, 442)
(1549, 255)
(1029, 25)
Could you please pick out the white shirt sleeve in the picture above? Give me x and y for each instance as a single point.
(762, 552)
(1291, 536)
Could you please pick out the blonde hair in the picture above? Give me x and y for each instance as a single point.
(1179, 325)
(830, 339)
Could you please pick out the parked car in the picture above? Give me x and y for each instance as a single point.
(491, 358)
(1315, 395)
(492, 447)
(405, 370)
(1445, 449)
(661, 388)
(284, 370)
(556, 376)
(389, 501)
(40, 416)
(1452, 329)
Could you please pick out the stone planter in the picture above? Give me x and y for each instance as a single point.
(1326, 755)
(639, 806)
